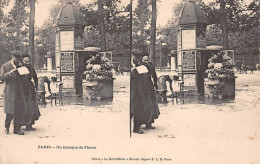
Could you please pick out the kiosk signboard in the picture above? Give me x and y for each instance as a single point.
(189, 80)
(188, 60)
(68, 81)
(66, 40)
(188, 39)
(67, 62)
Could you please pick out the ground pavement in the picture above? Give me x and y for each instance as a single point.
(200, 131)
(227, 130)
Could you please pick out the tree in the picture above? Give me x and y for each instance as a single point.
(141, 26)
(116, 22)
(244, 42)
(153, 32)
(4, 45)
(223, 24)
(16, 26)
(45, 35)
(31, 30)
(169, 36)
(213, 35)
(102, 31)
(250, 19)
(116, 25)
(13, 29)
(3, 4)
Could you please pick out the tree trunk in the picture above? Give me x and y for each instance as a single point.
(31, 30)
(131, 27)
(223, 21)
(153, 33)
(101, 23)
(130, 54)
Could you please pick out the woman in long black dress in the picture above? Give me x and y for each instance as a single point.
(144, 107)
(30, 99)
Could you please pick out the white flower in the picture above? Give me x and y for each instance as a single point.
(218, 65)
(96, 67)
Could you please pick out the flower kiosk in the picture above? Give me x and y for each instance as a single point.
(220, 81)
(98, 78)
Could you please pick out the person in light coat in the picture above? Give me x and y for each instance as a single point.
(14, 105)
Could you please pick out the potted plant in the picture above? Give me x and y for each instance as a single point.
(219, 74)
(98, 69)
(98, 78)
(218, 89)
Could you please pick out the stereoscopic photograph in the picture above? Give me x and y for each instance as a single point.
(129, 82)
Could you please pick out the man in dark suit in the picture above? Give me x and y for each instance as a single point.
(13, 94)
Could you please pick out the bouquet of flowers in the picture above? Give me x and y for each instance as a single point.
(98, 68)
(220, 73)
(220, 70)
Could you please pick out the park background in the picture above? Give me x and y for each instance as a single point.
(226, 132)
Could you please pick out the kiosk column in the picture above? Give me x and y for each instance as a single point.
(191, 39)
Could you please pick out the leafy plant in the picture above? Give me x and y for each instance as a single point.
(220, 73)
(100, 69)
(220, 70)
(218, 89)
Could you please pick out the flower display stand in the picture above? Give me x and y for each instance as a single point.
(101, 89)
(228, 90)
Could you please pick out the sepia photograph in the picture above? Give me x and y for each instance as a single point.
(129, 82)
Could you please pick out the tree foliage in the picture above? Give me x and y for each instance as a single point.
(101, 24)
(242, 24)
(141, 25)
(14, 29)
(116, 23)
(153, 33)
(116, 20)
